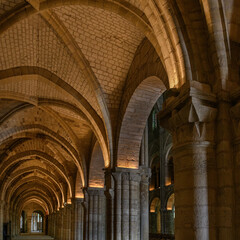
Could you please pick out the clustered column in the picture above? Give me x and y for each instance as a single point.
(127, 219)
(145, 173)
(67, 223)
(95, 214)
(77, 219)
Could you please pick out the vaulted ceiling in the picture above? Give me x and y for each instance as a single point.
(74, 80)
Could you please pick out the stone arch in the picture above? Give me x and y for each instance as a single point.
(34, 199)
(20, 157)
(96, 173)
(171, 58)
(29, 180)
(170, 214)
(134, 121)
(22, 202)
(29, 131)
(84, 106)
(18, 173)
(170, 201)
(155, 215)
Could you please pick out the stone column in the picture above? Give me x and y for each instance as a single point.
(69, 212)
(58, 225)
(86, 219)
(44, 226)
(144, 202)
(127, 204)
(60, 230)
(66, 222)
(96, 214)
(2, 204)
(235, 116)
(190, 117)
(50, 224)
(54, 224)
(77, 219)
(29, 220)
(224, 149)
(109, 193)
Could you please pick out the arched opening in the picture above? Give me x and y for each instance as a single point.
(37, 222)
(155, 176)
(170, 216)
(161, 186)
(23, 222)
(155, 216)
(169, 171)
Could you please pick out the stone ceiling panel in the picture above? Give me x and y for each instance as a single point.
(8, 5)
(109, 43)
(32, 42)
(34, 86)
(34, 116)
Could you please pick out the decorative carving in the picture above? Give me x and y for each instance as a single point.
(125, 176)
(95, 191)
(135, 177)
(190, 116)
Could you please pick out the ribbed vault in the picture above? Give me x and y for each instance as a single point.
(78, 80)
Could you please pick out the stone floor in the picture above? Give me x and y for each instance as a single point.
(32, 237)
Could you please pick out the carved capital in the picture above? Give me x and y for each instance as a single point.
(191, 115)
(145, 173)
(95, 191)
(135, 177)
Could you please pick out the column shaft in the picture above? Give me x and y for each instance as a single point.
(225, 171)
(190, 117)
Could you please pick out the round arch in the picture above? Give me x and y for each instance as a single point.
(155, 215)
(134, 121)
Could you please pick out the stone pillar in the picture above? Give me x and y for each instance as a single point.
(96, 214)
(14, 223)
(53, 230)
(77, 219)
(224, 154)
(17, 223)
(235, 116)
(50, 224)
(29, 220)
(2, 204)
(86, 218)
(66, 222)
(69, 221)
(190, 117)
(127, 204)
(109, 193)
(58, 225)
(144, 202)
(44, 221)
